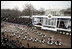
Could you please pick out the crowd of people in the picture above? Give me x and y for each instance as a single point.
(23, 21)
(25, 34)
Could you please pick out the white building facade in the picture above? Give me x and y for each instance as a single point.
(54, 12)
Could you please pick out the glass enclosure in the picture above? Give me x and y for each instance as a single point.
(37, 21)
(49, 22)
(64, 23)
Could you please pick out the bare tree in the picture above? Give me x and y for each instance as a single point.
(10, 13)
(28, 9)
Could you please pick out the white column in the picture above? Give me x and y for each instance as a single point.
(44, 21)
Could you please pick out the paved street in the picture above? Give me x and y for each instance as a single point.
(65, 39)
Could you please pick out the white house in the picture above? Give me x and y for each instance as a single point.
(54, 12)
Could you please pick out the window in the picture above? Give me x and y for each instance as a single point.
(52, 21)
(38, 20)
(64, 23)
(46, 21)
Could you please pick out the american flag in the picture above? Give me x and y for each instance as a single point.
(30, 7)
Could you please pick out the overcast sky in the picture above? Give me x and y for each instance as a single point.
(36, 4)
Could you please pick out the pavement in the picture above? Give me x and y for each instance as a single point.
(65, 39)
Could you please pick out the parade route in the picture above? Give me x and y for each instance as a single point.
(65, 39)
